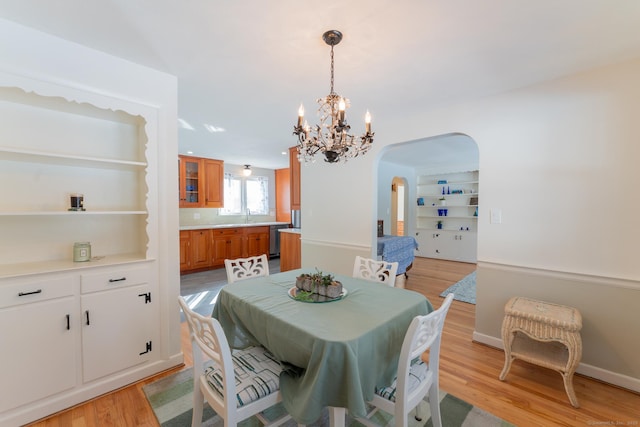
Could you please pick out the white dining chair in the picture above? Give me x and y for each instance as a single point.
(245, 268)
(375, 271)
(237, 385)
(416, 379)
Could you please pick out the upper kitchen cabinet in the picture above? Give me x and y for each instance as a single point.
(213, 184)
(294, 170)
(283, 195)
(201, 182)
(191, 181)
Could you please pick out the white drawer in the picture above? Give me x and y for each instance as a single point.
(114, 278)
(35, 290)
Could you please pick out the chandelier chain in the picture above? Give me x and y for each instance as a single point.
(332, 92)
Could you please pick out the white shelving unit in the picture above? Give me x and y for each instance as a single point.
(98, 322)
(51, 147)
(447, 215)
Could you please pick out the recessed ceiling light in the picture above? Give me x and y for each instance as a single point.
(213, 129)
(189, 152)
(184, 124)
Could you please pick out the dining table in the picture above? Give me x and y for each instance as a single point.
(334, 353)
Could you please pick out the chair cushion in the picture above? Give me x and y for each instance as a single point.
(417, 374)
(257, 374)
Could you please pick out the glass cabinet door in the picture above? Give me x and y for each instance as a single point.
(190, 183)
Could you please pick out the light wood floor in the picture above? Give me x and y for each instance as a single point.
(531, 396)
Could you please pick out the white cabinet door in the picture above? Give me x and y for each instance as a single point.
(465, 247)
(119, 330)
(447, 244)
(429, 243)
(37, 350)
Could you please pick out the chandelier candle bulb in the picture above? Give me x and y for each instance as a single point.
(300, 115)
(367, 122)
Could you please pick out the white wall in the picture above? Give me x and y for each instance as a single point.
(559, 160)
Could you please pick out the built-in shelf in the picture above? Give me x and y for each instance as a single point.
(43, 267)
(76, 213)
(16, 154)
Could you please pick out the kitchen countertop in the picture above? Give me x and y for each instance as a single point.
(291, 230)
(250, 224)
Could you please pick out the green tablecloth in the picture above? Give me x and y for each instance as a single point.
(336, 352)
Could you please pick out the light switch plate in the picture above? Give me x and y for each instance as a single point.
(496, 216)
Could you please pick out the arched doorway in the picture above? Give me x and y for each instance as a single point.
(398, 206)
(411, 160)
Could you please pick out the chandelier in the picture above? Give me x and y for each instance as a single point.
(331, 137)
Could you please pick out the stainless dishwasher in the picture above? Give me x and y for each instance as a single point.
(274, 239)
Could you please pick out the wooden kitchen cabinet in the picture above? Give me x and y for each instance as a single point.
(294, 171)
(213, 183)
(257, 241)
(191, 182)
(290, 251)
(208, 248)
(185, 251)
(283, 195)
(200, 248)
(226, 243)
(200, 182)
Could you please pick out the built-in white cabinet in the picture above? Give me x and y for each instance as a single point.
(70, 330)
(38, 336)
(444, 244)
(447, 215)
(113, 340)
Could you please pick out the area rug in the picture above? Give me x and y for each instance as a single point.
(464, 290)
(171, 400)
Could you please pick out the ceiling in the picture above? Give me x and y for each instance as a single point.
(246, 65)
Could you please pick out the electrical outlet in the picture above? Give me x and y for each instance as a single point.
(196, 216)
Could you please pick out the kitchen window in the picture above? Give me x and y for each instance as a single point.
(245, 195)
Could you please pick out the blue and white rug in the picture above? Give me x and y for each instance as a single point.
(464, 290)
(172, 403)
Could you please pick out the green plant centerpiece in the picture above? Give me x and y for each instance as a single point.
(317, 283)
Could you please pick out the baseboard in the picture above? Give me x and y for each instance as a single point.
(600, 374)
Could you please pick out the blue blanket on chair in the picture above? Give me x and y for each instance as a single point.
(398, 249)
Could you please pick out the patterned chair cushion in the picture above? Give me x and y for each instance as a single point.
(257, 374)
(417, 374)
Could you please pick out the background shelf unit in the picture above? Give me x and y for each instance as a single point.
(461, 208)
(457, 239)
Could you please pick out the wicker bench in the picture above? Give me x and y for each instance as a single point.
(544, 334)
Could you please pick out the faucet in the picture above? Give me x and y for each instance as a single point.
(246, 218)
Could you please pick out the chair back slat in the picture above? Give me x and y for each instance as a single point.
(245, 268)
(375, 271)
